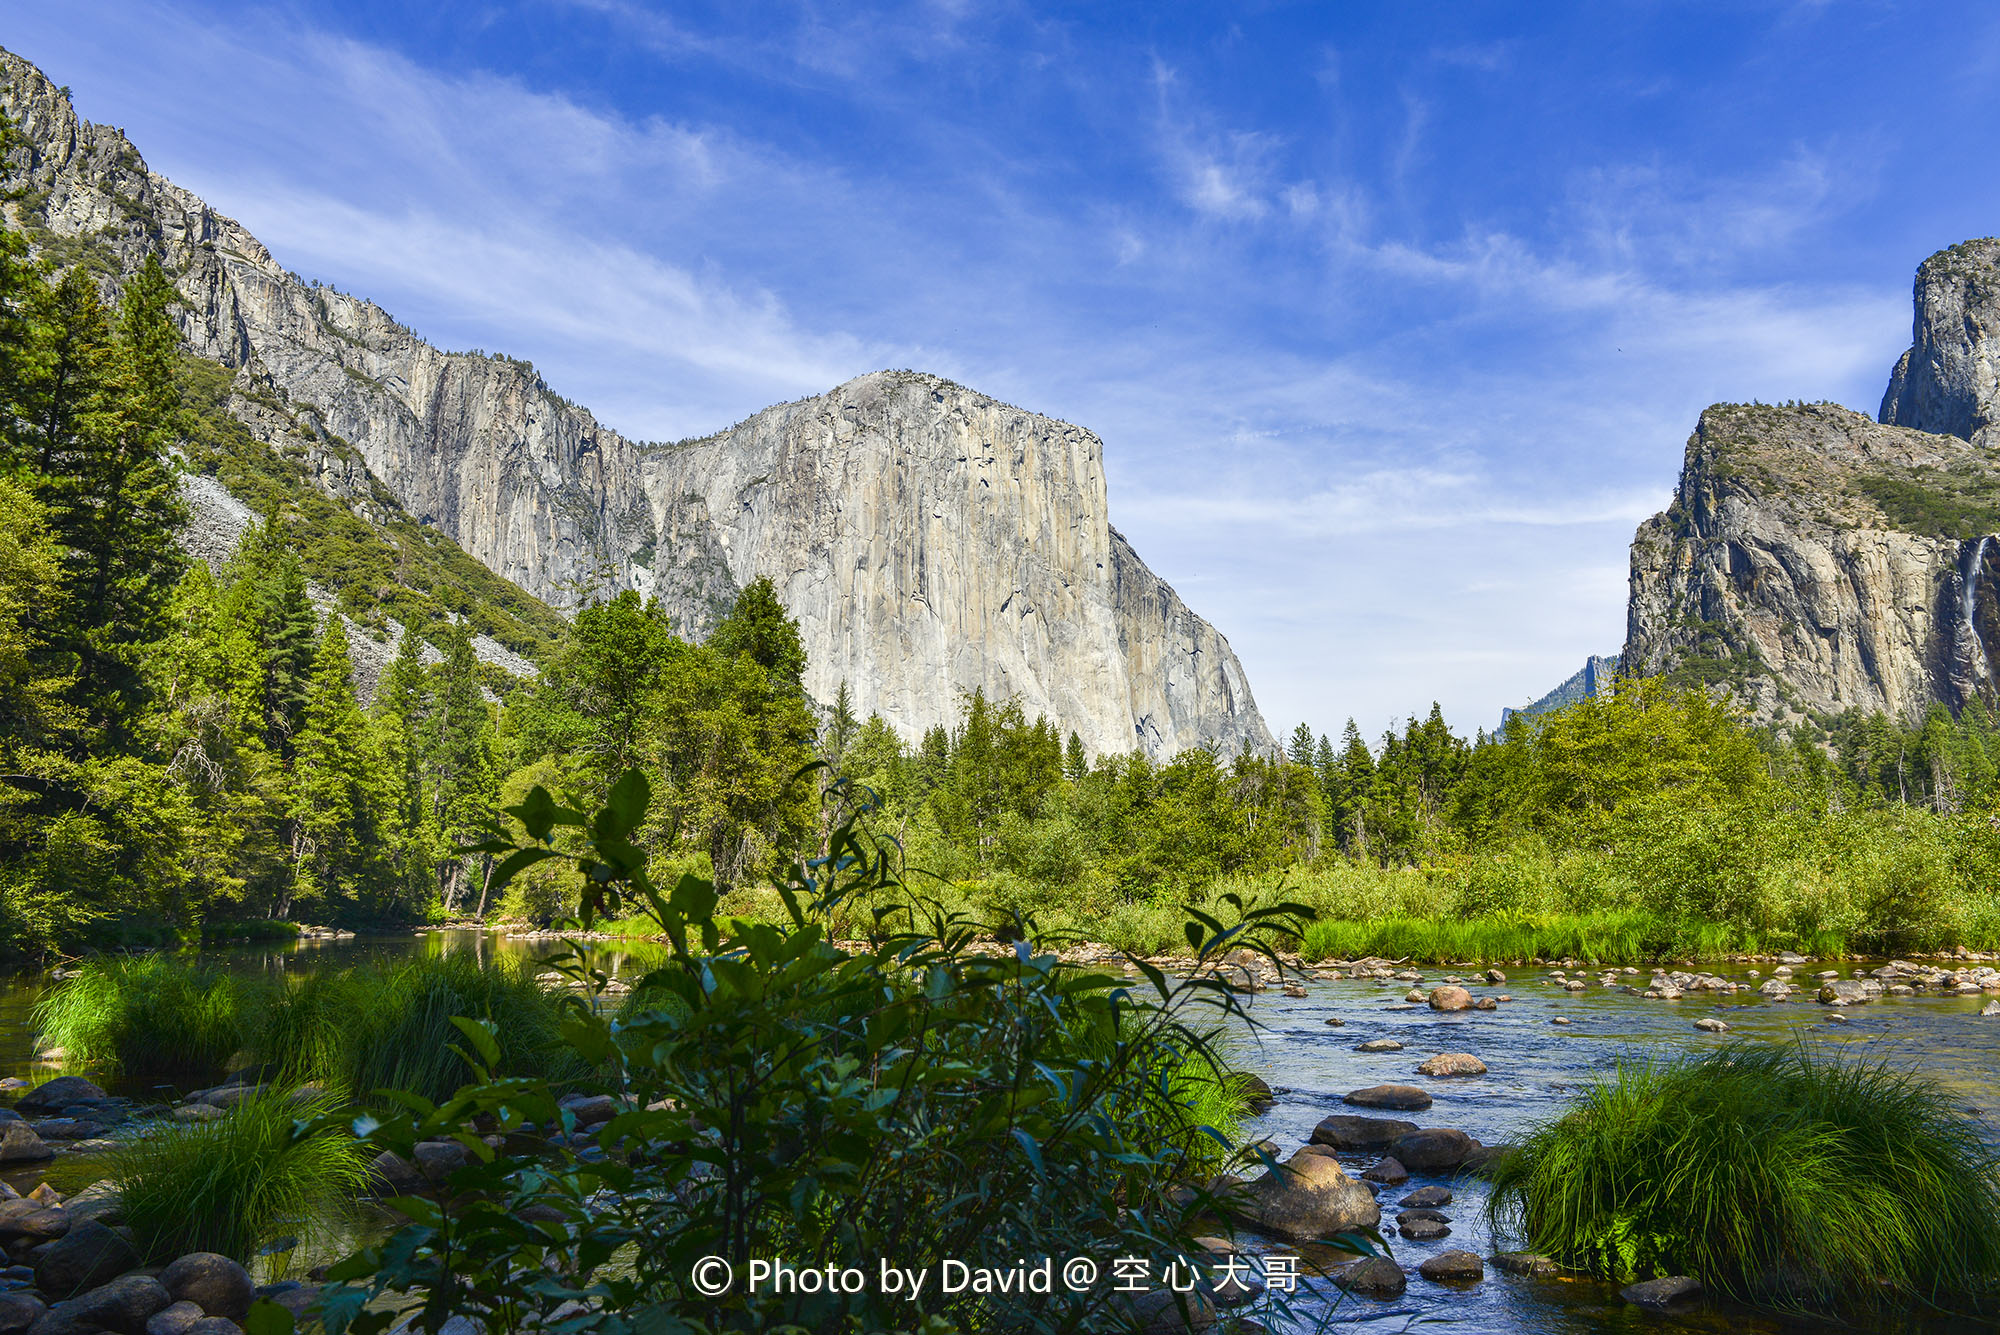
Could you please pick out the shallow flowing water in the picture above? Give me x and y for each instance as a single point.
(1532, 1065)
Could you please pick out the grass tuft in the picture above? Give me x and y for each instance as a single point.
(236, 1183)
(1780, 1175)
(150, 1017)
(363, 1030)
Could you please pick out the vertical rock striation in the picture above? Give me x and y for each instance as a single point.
(929, 540)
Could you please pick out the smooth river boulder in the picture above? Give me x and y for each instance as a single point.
(1308, 1196)
(1349, 1131)
(1399, 1098)
(124, 1305)
(1452, 1063)
(20, 1144)
(29, 1219)
(1450, 998)
(87, 1256)
(18, 1311)
(1376, 1277)
(218, 1284)
(57, 1094)
(1434, 1149)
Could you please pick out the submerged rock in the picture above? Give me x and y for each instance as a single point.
(1427, 1198)
(1661, 1295)
(1532, 1264)
(1379, 1045)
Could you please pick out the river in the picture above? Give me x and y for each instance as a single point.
(1532, 1068)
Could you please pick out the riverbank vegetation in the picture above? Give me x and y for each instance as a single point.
(1781, 1175)
(185, 752)
(350, 1032)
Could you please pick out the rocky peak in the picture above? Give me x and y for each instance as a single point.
(1949, 380)
(1815, 560)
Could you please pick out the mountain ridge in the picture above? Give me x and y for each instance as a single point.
(1019, 587)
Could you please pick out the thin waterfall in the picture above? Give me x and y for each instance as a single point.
(1971, 589)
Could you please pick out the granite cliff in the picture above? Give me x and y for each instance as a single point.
(1815, 560)
(929, 540)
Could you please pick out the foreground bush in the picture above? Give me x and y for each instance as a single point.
(1784, 1175)
(911, 1101)
(236, 1183)
(150, 1017)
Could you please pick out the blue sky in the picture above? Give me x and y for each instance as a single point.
(1393, 318)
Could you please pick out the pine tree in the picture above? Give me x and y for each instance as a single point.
(402, 706)
(1301, 750)
(759, 626)
(457, 747)
(1076, 764)
(333, 808)
(1348, 804)
(838, 732)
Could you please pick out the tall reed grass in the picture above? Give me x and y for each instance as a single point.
(147, 1017)
(1782, 1175)
(235, 1184)
(367, 1029)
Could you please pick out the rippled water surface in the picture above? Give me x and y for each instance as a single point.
(1532, 1065)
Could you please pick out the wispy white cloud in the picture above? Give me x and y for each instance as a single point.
(1394, 451)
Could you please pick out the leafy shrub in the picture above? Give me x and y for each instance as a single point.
(913, 1100)
(1780, 1174)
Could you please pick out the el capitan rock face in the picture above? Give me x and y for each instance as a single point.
(1815, 560)
(928, 539)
